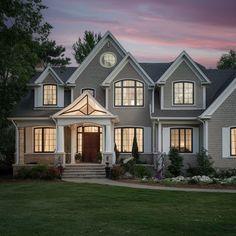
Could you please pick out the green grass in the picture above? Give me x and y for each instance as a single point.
(57, 208)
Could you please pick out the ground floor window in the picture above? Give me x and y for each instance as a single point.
(124, 139)
(182, 139)
(233, 142)
(44, 139)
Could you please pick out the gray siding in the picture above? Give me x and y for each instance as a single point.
(183, 73)
(224, 116)
(50, 80)
(131, 115)
(94, 74)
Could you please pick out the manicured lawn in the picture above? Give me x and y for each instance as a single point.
(57, 208)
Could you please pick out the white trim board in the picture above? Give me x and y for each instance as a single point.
(219, 100)
(93, 53)
(183, 57)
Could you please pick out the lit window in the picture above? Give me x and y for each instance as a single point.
(181, 139)
(49, 94)
(44, 139)
(124, 139)
(108, 59)
(233, 142)
(129, 93)
(183, 93)
(89, 90)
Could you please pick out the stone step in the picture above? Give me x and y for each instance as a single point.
(83, 172)
(85, 177)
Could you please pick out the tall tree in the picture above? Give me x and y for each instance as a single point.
(227, 61)
(84, 46)
(23, 42)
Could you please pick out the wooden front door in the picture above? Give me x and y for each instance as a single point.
(91, 146)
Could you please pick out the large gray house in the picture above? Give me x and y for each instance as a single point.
(111, 97)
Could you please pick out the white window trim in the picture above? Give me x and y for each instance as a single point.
(108, 52)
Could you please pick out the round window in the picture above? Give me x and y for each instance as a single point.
(108, 59)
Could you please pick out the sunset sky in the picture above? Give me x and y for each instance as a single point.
(152, 30)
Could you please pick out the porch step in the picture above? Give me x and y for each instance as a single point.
(84, 171)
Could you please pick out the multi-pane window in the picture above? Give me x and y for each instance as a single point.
(124, 139)
(129, 93)
(108, 59)
(183, 93)
(89, 90)
(44, 139)
(182, 139)
(50, 94)
(233, 142)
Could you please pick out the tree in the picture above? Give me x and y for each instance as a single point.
(84, 46)
(135, 153)
(50, 53)
(24, 43)
(176, 162)
(227, 61)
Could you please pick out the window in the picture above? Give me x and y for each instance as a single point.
(44, 139)
(233, 142)
(108, 59)
(182, 139)
(129, 93)
(183, 93)
(89, 90)
(50, 94)
(124, 139)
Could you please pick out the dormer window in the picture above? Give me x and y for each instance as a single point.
(183, 93)
(50, 94)
(129, 93)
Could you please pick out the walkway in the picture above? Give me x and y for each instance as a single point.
(143, 186)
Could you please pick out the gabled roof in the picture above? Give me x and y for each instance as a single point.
(128, 59)
(108, 35)
(46, 72)
(184, 57)
(84, 106)
(219, 100)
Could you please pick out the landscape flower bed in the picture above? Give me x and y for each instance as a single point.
(199, 179)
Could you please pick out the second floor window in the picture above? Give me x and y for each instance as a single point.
(50, 94)
(89, 90)
(129, 93)
(183, 93)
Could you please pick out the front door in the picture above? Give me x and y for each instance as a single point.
(91, 146)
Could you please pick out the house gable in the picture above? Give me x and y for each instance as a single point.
(183, 57)
(84, 105)
(128, 60)
(106, 39)
(48, 76)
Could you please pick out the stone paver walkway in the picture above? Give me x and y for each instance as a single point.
(142, 186)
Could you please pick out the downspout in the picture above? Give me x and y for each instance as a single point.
(205, 132)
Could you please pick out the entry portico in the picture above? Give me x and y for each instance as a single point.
(90, 128)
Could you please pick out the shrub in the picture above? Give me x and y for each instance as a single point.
(141, 171)
(117, 172)
(176, 162)
(38, 172)
(135, 152)
(225, 173)
(78, 157)
(99, 157)
(204, 165)
(117, 154)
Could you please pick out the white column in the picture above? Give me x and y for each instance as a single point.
(73, 143)
(153, 137)
(205, 135)
(108, 138)
(16, 145)
(60, 139)
(159, 137)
